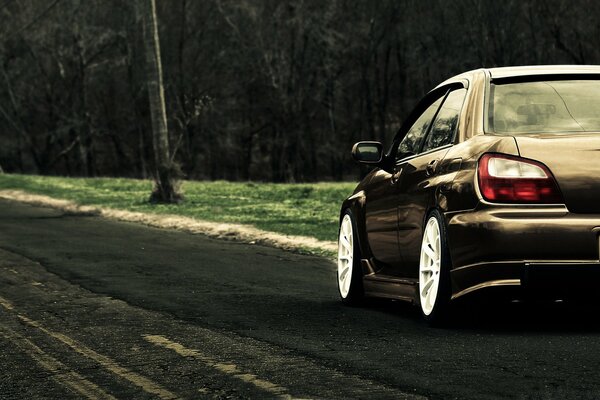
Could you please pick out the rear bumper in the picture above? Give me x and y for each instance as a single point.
(530, 247)
(548, 278)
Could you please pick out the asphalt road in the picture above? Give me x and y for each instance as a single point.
(91, 308)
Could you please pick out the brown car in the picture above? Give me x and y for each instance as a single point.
(492, 181)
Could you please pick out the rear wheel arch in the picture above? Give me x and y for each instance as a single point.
(444, 220)
(435, 206)
(356, 204)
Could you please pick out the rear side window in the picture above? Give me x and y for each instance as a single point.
(445, 124)
(545, 107)
(413, 139)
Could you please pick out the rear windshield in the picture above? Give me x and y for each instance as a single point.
(545, 107)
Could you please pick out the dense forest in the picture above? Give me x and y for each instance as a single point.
(267, 90)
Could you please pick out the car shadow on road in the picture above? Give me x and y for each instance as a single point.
(527, 316)
(481, 315)
(530, 313)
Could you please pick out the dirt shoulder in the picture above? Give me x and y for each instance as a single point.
(228, 231)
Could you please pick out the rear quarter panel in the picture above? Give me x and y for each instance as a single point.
(461, 193)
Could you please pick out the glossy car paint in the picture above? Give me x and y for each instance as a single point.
(490, 245)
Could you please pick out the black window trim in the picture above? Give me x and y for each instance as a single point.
(405, 159)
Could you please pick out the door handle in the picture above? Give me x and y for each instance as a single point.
(396, 176)
(430, 169)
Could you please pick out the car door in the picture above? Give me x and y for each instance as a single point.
(416, 187)
(381, 209)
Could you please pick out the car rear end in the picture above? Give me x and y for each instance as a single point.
(536, 224)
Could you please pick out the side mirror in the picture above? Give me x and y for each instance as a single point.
(368, 152)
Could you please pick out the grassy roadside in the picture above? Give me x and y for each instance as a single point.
(294, 209)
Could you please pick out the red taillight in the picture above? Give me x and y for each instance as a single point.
(509, 179)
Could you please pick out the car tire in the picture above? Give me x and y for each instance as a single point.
(349, 272)
(434, 271)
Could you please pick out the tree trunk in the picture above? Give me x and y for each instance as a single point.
(165, 190)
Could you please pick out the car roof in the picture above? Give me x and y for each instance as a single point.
(524, 71)
(536, 70)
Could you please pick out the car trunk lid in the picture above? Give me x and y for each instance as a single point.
(574, 160)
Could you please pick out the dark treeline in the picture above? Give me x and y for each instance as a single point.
(273, 90)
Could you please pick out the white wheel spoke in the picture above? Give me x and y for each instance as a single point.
(346, 243)
(429, 251)
(430, 234)
(344, 274)
(347, 229)
(430, 269)
(427, 286)
(431, 295)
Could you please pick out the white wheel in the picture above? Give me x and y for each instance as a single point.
(430, 265)
(349, 273)
(345, 256)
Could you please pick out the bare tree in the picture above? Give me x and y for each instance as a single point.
(165, 190)
(254, 90)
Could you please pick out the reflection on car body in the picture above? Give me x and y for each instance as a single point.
(493, 181)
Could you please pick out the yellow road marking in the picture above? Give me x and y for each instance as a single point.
(138, 380)
(146, 384)
(230, 369)
(6, 304)
(60, 372)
